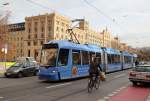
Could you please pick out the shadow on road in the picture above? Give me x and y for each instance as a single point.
(64, 81)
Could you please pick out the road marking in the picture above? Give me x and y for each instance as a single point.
(111, 95)
(64, 84)
(115, 92)
(102, 100)
(106, 98)
(1, 97)
(118, 76)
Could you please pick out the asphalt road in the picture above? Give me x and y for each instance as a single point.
(32, 89)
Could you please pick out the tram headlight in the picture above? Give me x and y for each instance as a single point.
(54, 71)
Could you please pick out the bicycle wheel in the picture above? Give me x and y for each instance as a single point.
(97, 83)
(90, 86)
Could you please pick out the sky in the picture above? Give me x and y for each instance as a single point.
(127, 19)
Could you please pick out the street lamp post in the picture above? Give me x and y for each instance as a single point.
(5, 53)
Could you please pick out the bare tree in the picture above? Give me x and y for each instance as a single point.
(3, 31)
(145, 54)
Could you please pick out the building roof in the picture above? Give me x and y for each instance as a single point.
(112, 51)
(125, 53)
(16, 27)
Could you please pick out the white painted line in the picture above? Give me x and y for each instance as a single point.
(1, 97)
(106, 97)
(110, 95)
(114, 93)
(64, 84)
(101, 100)
(118, 76)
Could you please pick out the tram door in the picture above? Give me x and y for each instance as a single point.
(64, 63)
(76, 63)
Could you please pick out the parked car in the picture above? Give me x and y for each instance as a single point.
(140, 74)
(22, 68)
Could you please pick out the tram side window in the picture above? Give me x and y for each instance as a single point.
(127, 59)
(116, 58)
(99, 57)
(63, 57)
(76, 58)
(109, 59)
(112, 58)
(85, 58)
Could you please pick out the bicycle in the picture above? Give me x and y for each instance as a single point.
(93, 82)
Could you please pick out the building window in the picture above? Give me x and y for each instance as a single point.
(35, 43)
(35, 29)
(29, 30)
(35, 54)
(28, 53)
(42, 29)
(57, 29)
(42, 35)
(29, 43)
(62, 24)
(57, 22)
(29, 26)
(42, 42)
(62, 30)
(35, 35)
(29, 36)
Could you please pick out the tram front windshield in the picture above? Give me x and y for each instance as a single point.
(48, 57)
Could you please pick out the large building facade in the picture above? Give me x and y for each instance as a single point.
(27, 38)
(15, 40)
(43, 28)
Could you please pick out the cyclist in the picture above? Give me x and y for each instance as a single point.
(94, 68)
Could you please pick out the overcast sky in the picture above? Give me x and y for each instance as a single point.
(128, 19)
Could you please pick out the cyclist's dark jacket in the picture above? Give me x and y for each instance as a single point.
(94, 68)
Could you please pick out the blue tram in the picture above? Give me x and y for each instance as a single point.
(127, 60)
(112, 60)
(61, 59)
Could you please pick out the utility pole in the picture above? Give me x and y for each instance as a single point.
(5, 53)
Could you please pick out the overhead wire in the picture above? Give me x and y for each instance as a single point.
(45, 7)
(42, 6)
(104, 14)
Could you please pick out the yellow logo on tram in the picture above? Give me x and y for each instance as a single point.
(74, 70)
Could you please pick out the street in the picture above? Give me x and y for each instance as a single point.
(32, 89)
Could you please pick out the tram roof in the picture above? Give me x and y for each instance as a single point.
(112, 51)
(70, 45)
(126, 53)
